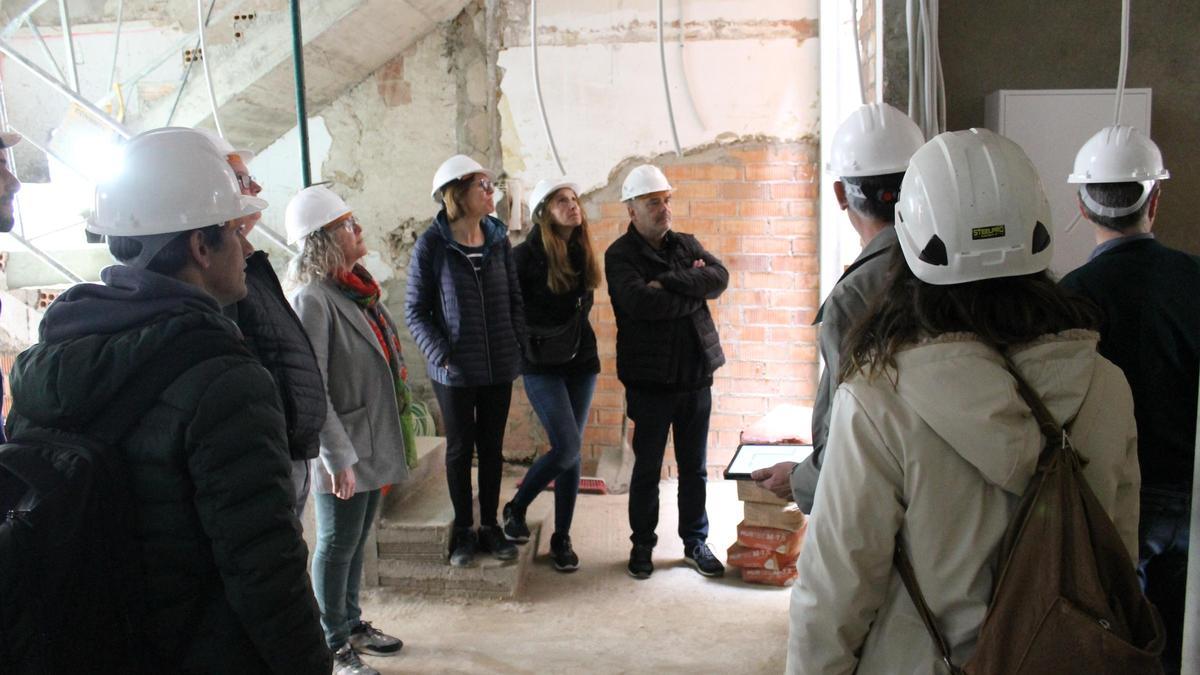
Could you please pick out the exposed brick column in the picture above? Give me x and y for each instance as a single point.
(754, 206)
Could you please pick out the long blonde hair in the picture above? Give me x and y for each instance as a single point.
(560, 276)
(319, 258)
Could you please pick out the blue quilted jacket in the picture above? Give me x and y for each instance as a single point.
(469, 325)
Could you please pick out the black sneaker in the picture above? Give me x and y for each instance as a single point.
(640, 564)
(462, 547)
(515, 529)
(564, 556)
(367, 639)
(698, 555)
(346, 662)
(491, 540)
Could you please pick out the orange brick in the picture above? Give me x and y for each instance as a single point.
(770, 172)
(808, 171)
(742, 191)
(722, 209)
(763, 209)
(694, 225)
(744, 228)
(695, 172)
(764, 316)
(748, 369)
(789, 190)
(776, 153)
(804, 209)
(690, 191)
(791, 298)
(793, 333)
(744, 298)
(744, 334)
(614, 210)
(747, 405)
(806, 227)
(609, 399)
(766, 280)
(748, 263)
(769, 245)
(726, 439)
(796, 263)
(804, 246)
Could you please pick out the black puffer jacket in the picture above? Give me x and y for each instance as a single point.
(651, 321)
(544, 307)
(275, 335)
(469, 325)
(224, 573)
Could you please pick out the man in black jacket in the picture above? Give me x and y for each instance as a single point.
(667, 351)
(276, 337)
(1150, 328)
(9, 186)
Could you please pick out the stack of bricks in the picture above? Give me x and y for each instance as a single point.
(754, 206)
(769, 537)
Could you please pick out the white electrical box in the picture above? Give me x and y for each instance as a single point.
(1051, 125)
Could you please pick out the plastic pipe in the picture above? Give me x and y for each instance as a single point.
(112, 74)
(183, 80)
(301, 108)
(212, 95)
(662, 59)
(68, 44)
(63, 89)
(537, 83)
(1124, 61)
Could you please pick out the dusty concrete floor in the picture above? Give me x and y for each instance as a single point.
(599, 620)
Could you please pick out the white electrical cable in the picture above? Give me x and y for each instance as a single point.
(862, 97)
(912, 58)
(662, 57)
(1124, 61)
(212, 96)
(537, 83)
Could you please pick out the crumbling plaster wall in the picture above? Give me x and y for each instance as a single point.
(747, 76)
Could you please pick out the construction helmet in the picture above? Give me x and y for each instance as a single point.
(875, 140)
(311, 209)
(172, 180)
(225, 147)
(972, 207)
(1118, 154)
(458, 166)
(545, 188)
(643, 180)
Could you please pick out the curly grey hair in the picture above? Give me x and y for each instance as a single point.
(319, 257)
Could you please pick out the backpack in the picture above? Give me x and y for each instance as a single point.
(1067, 599)
(69, 575)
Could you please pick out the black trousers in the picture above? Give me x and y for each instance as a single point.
(654, 414)
(475, 418)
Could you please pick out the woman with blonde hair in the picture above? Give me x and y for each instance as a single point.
(558, 273)
(363, 444)
(464, 310)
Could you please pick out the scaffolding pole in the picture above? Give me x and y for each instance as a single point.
(63, 89)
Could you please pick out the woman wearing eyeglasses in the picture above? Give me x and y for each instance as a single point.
(464, 310)
(363, 444)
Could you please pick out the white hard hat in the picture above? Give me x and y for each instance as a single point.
(1118, 154)
(972, 207)
(311, 209)
(225, 147)
(643, 180)
(9, 139)
(547, 187)
(875, 140)
(172, 180)
(458, 166)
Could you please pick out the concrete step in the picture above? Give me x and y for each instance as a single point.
(489, 578)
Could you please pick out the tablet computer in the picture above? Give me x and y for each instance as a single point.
(751, 457)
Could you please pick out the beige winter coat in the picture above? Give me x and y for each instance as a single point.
(941, 459)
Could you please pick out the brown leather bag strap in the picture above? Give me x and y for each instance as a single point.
(1050, 428)
(909, 577)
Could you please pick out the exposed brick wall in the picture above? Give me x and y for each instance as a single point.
(754, 206)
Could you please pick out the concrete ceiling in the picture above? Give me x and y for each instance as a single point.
(345, 41)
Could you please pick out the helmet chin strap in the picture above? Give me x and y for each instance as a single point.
(1115, 211)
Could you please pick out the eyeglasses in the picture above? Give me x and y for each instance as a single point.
(487, 184)
(246, 181)
(349, 223)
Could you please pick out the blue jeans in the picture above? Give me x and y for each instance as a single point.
(342, 527)
(1162, 564)
(562, 404)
